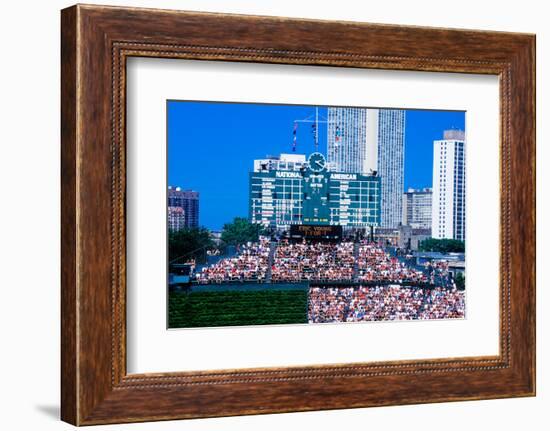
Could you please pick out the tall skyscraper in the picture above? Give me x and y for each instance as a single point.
(348, 145)
(188, 200)
(417, 208)
(365, 141)
(449, 187)
(391, 164)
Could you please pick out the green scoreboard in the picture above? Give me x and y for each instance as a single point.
(313, 195)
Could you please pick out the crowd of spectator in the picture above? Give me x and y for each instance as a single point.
(361, 262)
(375, 264)
(438, 272)
(442, 303)
(378, 303)
(249, 264)
(313, 261)
(345, 261)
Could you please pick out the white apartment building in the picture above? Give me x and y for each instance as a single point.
(449, 187)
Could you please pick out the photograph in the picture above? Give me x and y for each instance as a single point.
(298, 214)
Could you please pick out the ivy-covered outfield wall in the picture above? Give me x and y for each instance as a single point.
(234, 307)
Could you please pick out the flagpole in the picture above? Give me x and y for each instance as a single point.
(316, 129)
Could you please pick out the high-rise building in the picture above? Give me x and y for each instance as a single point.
(284, 195)
(417, 208)
(371, 141)
(391, 164)
(449, 187)
(176, 218)
(188, 200)
(348, 148)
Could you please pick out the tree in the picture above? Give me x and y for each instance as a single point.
(241, 231)
(442, 245)
(189, 243)
(460, 281)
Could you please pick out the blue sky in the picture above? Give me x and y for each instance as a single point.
(211, 148)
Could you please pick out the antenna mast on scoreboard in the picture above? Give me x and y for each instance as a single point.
(314, 121)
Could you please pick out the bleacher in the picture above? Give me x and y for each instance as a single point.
(283, 261)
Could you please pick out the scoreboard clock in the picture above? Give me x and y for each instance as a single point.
(317, 162)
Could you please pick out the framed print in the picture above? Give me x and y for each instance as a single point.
(317, 215)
